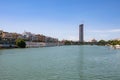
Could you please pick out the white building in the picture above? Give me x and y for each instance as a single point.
(28, 35)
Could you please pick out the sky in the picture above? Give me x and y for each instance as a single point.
(61, 18)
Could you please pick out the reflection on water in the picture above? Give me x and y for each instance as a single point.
(60, 63)
(81, 51)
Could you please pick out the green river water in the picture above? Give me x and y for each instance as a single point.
(60, 63)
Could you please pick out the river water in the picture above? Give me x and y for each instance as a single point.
(60, 63)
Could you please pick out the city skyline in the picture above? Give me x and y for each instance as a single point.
(61, 18)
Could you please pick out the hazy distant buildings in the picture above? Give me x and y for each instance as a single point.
(93, 40)
(81, 33)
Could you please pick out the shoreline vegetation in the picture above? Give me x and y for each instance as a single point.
(20, 43)
(111, 43)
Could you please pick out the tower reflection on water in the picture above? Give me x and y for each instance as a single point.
(81, 62)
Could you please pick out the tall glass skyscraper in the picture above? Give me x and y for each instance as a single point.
(81, 33)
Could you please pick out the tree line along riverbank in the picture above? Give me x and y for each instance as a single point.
(111, 43)
(20, 43)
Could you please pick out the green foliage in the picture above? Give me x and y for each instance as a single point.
(102, 42)
(67, 42)
(20, 43)
(114, 42)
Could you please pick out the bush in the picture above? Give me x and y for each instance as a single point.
(114, 42)
(102, 42)
(20, 43)
(67, 42)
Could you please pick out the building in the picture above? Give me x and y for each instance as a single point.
(14, 35)
(20, 36)
(81, 33)
(39, 38)
(28, 36)
(93, 40)
(50, 39)
(8, 38)
(6, 35)
(1, 34)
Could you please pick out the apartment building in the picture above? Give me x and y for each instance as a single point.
(1, 34)
(50, 39)
(39, 38)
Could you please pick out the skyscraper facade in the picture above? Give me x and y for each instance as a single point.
(81, 33)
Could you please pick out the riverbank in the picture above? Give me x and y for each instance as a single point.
(31, 45)
(115, 46)
(8, 46)
(42, 44)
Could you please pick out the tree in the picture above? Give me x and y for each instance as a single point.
(114, 42)
(102, 42)
(20, 43)
(67, 42)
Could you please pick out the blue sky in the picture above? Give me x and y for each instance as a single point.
(61, 18)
